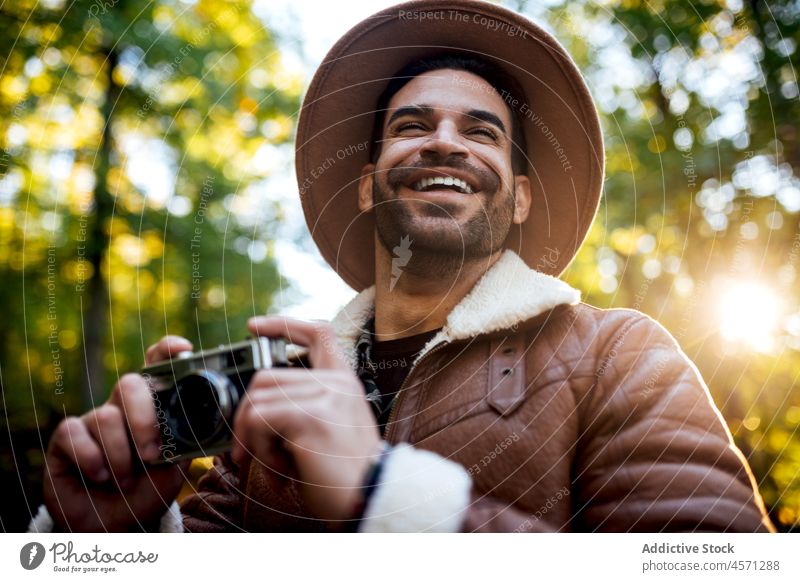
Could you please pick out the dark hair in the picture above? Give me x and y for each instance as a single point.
(505, 85)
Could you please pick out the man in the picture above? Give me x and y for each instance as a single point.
(495, 400)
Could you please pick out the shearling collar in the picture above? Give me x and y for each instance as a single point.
(508, 294)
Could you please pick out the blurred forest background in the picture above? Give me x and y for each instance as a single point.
(139, 141)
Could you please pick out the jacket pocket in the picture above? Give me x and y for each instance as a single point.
(506, 382)
(487, 377)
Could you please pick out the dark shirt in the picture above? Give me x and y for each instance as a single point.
(392, 362)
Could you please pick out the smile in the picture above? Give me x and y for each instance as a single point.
(431, 183)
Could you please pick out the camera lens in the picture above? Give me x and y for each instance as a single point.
(201, 406)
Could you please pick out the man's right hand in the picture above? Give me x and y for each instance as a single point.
(92, 481)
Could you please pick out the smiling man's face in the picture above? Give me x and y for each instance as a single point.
(444, 175)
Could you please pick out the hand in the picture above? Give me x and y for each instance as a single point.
(318, 416)
(92, 480)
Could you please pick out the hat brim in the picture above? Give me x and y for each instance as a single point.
(564, 142)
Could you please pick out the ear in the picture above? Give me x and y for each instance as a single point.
(365, 188)
(522, 192)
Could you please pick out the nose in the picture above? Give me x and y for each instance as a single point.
(445, 141)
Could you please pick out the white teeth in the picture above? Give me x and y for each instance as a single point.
(445, 181)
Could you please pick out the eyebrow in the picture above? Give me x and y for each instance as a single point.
(488, 117)
(421, 110)
(427, 110)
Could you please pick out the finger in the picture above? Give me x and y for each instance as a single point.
(271, 453)
(167, 480)
(291, 383)
(107, 427)
(166, 347)
(296, 383)
(303, 398)
(256, 427)
(133, 396)
(73, 446)
(318, 337)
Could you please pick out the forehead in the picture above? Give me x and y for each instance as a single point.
(451, 90)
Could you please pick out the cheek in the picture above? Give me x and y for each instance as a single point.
(394, 153)
(495, 161)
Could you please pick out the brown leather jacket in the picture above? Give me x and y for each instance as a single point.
(561, 417)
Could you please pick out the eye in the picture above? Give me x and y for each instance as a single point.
(409, 126)
(484, 132)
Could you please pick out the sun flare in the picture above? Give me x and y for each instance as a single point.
(750, 314)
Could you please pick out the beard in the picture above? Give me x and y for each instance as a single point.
(440, 242)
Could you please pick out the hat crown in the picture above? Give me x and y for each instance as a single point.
(561, 126)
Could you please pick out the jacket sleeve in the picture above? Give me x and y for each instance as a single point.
(419, 491)
(216, 506)
(491, 515)
(654, 454)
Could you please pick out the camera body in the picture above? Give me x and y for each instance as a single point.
(196, 394)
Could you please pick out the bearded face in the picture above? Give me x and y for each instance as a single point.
(442, 226)
(444, 178)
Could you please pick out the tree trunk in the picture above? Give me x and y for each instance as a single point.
(95, 315)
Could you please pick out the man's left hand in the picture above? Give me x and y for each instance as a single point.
(318, 415)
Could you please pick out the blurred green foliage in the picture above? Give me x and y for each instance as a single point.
(700, 222)
(135, 140)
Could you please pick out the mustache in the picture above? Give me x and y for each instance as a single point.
(485, 180)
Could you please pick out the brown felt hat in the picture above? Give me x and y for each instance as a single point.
(562, 130)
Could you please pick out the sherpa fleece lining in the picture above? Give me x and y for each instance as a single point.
(419, 492)
(508, 294)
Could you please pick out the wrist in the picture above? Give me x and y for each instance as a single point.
(369, 485)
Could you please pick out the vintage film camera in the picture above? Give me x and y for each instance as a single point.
(196, 394)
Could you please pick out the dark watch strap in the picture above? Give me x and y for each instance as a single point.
(371, 483)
